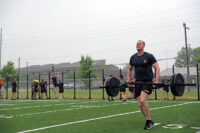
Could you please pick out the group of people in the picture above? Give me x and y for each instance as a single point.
(14, 88)
(37, 88)
(41, 86)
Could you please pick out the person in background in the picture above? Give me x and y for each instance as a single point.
(43, 88)
(61, 89)
(14, 89)
(55, 83)
(123, 88)
(131, 88)
(165, 88)
(1, 85)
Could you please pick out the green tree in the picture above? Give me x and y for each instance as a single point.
(8, 71)
(192, 54)
(86, 66)
(69, 75)
(125, 67)
(34, 76)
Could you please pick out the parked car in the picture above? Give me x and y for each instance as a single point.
(69, 86)
(95, 87)
(66, 86)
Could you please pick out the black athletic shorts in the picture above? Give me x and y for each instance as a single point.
(55, 84)
(36, 90)
(122, 89)
(61, 90)
(131, 89)
(143, 87)
(43, 90)
(14, 90)
(166, 88)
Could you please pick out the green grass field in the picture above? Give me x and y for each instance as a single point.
(97, 116)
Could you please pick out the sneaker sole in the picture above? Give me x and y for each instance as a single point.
(149, 127)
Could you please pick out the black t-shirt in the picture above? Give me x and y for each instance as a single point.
(165, 81)
(54, 80)
(60, 85)
(36, 85)
(42, 85)
(14, 84)
(143, 66)
(122, 83)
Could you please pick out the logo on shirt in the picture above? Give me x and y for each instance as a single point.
(146, 91)
(145, 61)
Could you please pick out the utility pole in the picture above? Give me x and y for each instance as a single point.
(186, 51)
(0, 46)
(27, 68)
(166, 59)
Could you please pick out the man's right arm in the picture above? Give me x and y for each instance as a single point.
(130, 68)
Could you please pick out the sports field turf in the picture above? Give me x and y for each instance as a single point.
(97, 116)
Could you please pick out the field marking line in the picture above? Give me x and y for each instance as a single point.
(7, 104)
(66, 109)
(99, 118)
(45, 100)
(38, 106)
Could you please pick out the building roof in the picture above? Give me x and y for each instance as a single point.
(60, 67)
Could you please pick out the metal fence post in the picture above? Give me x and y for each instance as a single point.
(18, 88)
(198, 82)
(49, 85)
(174, 98)
(120, 73)
(74, 85)
(89, 85)
(7, 88)
(156, 98)
(103, 80)
(27, 86)
(39, 87)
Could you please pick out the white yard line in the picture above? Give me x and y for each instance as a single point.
(99, 118)
(39, 106)
(66, 109)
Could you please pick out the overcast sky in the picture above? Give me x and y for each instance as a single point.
(56, 31)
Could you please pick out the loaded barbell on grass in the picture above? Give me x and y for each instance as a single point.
(176, 84)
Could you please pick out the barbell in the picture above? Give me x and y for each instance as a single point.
(177, 85)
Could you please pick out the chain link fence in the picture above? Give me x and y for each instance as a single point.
(76, 87)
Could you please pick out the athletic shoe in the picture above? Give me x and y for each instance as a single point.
(149, 124)
(124, 101)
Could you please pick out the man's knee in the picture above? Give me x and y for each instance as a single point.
(142, 102)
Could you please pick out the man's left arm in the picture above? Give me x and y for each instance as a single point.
(157, 69)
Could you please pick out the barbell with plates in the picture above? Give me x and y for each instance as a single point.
(176, 84)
